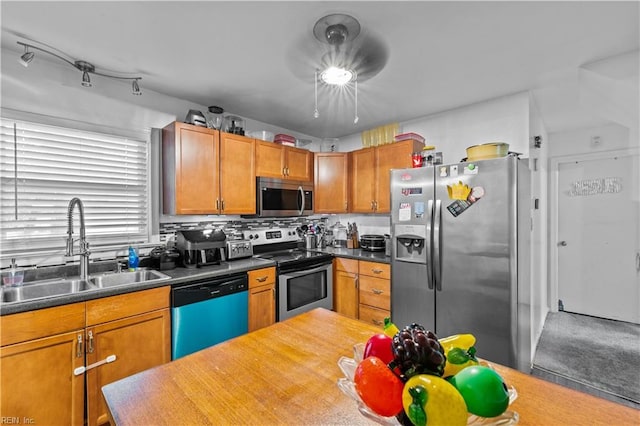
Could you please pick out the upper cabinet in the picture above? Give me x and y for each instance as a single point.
(237, 174)
(370, 174)
(331, 182)
(284, 162)
(207, 172)
(190, 157)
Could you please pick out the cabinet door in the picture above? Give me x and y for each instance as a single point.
(190, 169)
(373, 315)
(262, 298)
(298, 164)
(392, 156)
(139, 343)
(330, 183)
(362, 180)
(37, 380)
(345, 294)
(237, 174)
(269, 159)
(262, 306)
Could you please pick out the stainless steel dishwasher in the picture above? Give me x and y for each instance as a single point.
(207, 312)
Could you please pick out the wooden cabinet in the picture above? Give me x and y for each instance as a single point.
(42, 348)
(190, 156)
(345, 287)
(369, 174)
(262, 298)
(284, 162)
(331, 182)
(362, 289)
(237, 174)
(207, 172)
(374, 292)
(136, 328)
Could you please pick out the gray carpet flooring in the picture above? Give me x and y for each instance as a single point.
(593, 355)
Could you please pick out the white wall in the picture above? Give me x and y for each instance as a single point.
(539, 232)
(501, 119)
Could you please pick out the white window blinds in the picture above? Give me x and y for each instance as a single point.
(43, 167)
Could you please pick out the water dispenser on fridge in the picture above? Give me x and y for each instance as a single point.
(410, 243)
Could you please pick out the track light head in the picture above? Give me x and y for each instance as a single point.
(135, 88)
(86, 80)
(26, 57)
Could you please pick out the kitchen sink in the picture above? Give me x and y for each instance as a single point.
(124, 278)
(43, 289)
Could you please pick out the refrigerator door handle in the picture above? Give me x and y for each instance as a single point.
(437, 236)
(427, 245)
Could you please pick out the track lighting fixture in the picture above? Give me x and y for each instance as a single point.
(86, 67)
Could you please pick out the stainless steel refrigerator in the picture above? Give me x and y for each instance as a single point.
(460, 254)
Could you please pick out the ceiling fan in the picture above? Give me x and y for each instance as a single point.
(340, 53)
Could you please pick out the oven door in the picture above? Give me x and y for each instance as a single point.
(302, 290)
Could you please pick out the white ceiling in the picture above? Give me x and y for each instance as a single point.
(255, 59)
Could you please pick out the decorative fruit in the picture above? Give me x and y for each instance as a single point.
(390, 329)
(417, 351)
(431, 400)
(378, 387)
(463, 341)
(483, 390)
(379, 345)
(457, 359)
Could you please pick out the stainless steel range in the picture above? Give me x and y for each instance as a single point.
(305, 278)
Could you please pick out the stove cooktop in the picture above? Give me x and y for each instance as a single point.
(293, 255)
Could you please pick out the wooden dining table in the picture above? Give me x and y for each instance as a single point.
(287, 374)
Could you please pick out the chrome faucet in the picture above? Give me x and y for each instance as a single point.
(84, 245)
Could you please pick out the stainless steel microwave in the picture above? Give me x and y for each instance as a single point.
(279, 197)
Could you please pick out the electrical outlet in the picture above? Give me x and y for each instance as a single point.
(595, 141)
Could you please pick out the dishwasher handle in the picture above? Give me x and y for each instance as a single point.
(204, 290)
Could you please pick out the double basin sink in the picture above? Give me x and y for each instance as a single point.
(64, 286)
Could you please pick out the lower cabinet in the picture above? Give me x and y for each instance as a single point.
(362, 290)
(38, 385)
(345, 287)
(262, 298)
(47, 354)
(138, 341)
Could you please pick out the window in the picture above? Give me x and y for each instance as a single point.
(43, 167)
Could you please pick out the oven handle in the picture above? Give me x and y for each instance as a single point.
(302, 199)
(295, 274)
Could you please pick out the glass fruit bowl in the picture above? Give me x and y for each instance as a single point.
(348, 367)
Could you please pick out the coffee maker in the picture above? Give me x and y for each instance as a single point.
(201, 247)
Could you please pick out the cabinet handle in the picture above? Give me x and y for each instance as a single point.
(223, 204)
(371, 204)
(287, 171)
(375, 205)
(262, 279)
(274, 292)
(376, 291)
(377, 271)
(90, 342)
(346, 206)
(217, 204)
(356, 281)
(79, 350)
(376, 321)
(284, 171)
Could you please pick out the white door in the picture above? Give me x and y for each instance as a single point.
(598, 231)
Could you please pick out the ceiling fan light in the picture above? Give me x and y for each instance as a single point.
(336, 76)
